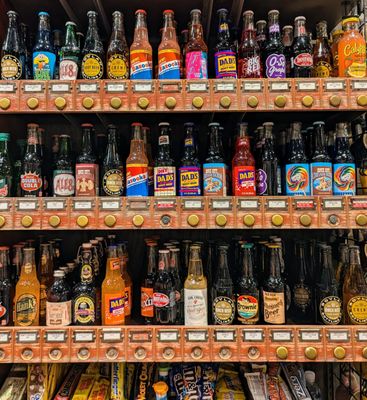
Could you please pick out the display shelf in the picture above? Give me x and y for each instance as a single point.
(310, 212)
(176, 343)
(334, 94)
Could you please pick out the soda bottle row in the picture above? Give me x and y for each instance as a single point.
(260, 52)
(302, 162)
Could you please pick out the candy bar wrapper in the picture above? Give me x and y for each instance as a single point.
(93, 369)
(177, 381)
(229, 386)
(144, 379)
(285, 392)
(84, 387)
(272, 383)
(71, 381)
(100, 390)
(255, 384)
(117, 381)
(14, 388)
(37, 382)
(192, 379)
(130, 374)
(294, 377)
(208, 380)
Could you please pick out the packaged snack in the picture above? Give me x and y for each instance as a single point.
(161, 390)
(37, 382)
(143, 381)
(68, 387)
(192, 380)
(84, 387)
(117, 381)
(295, 378)
(208, 378)
(100, 390)
(255, 385)
(13, 388)
(177, 382)
(229, 385)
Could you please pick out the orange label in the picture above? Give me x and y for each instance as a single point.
(147, 302)
(128, 301)
(114, 312)
(352, 56)
(274, 307)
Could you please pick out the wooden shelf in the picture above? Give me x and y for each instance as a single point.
(310, 94)
(311, 212)
(183, 344)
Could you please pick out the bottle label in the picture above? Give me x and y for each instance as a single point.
(196, 65)
(113, 182)
(114, 312)
(297, 179)
(303, 60)
(244, 181)
(215, 179)
(249, 67)
(248, 309)
(261, 182)
(322, 178)
(86, 273)
(26, 309)
(357, 310)
(86, 177)
(344, 179)
(190, 181)
(322, 69)
(225, 64)
(117, 67)
(11, 68)
(160, 300)
(128, 301)
(141, 64)
(196, 307)
(146, 302)
(136, 180)
(302, 296)
(58, 314)
(331, 310)
(43, 65)
(165, 181)
(352, 59)
(223, 310)
(64, 183)
(30, 182)
(69, 69)
(92, 67)
(84, 310)
(274, 307)
(275, 66)
(168, 64)
(43, 297)
(4, 187)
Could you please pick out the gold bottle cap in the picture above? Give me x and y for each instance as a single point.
(60, 103)
(55, 354)
(193, 220)
(253, 101)
(364, 352)
(362, 100)
(140, 353)
(307, 101)
(335, 100)
(138, 220)
(116, 103)
(249, 220)
(197, 102)
(82, 221)
(225, 101)
(88, 103)
(221, 220)
(83, 353)
(32, 103)
(2, 221)
(311, 353)
(361, 219)
(168, 353)
(54, 221)
(282, 352)
(110, 220)
(170, 102)
(280, 101)
(5, 103)
(143, 103)
(305, 220)
(27, 221)
(339, 353)
(277, 220)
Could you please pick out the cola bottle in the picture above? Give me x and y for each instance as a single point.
(302, 60)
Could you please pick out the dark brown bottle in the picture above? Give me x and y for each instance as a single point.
(147, 287)
(45, 271)
(25, 52)
(12, 65)
(322, 58)
(63, 174)
(287, 38)
(302, 61)
(58, 305)
(6, 290)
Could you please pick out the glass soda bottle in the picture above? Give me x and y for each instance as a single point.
(287, 39)
(44, 57)
(58, 305)
(261, 35)
(45, 271)
(141, 64)
(249, 56)
(69, 54)
(6, 168)
(174, 267)
(344, 167)
(243, 166)
(169, 57)
(124, 258)
(336, 36)
(25, 53)
(322, 59)
(275, 65)
(196, 62)
(225, 51)
(117, 63)
(12, 65)
(302, 60)
(147, 288)
(93, 52)
(6, 287)
(137, 164)
(148, 149)
(63, 174)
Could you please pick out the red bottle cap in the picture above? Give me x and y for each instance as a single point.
(140, 12)
(167, 12)
(136, 124)
(87, 125)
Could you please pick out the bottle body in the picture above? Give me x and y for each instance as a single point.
(58, 305)
(63, 174)
(302, 60)
(69, 54)
(6, 169)
(322, 58)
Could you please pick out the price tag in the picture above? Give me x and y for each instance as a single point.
(110, 205)
(83, 337)
(225, 87)
(165, 204)
(304, 204)
(27, 205)
(197, 336)
(33, 87)
(138, 205)
(140, 336)
(332, 204)
(362, 336)
(249, 204)
(281, 336)
(111, 336)
(55, 205)
(27, 337)
(277, 204)
(198, 87)
(334, 85)
(115, 87)
(172, 87)
(221, 204)
(88, 87)
(253, 336)
(252, 87)
(359, 85)
(225, 336)
(82, 205)
(279, 86)
(55, 336)
(307, 86)
(143, 87)
(338, 336)
(7, 87)
(168, 336)
(4, 206)
(193, 204)
(359, 204)
(60, 87)
(310, 336)
(4, 337)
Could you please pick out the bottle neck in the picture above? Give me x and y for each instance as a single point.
(87, 147)
(169, 30)
(92, 33)
(190, 148)
(274, 270)
(319, 144)
(224, 34)
(174, 262)
(215, 143)
(303, 268)
(274, 29)
(86, 271)
(32, 140)
(4, 265)
(141, 30)
(247, 267)
(195, 263)
(137, 147)
(287, 37)
(164, 144)
(300, 29)
(4, 147)
(196, 30)
(152, 257)
(44, 30)
(65, 148)
(223, 271)
(248, 27)
(163, 262)
(112, 144)
(70, 38)
(29, 262)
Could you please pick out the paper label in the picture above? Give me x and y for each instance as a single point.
(275, 66)
(215, 179)
(344, 179)
(26, 309)
(225, 64)
(297, 179)
(30, 182)
(69, 69)
(43, 65)
(136, 180)
(196, 65)
(331, 310)
(223, 310)
(321, 178)
(84, 310)
(11, 67)
(86, 177)
(274, 307)
(141, 64)
(64, 183)
(244, 181)
(146, 302)
(189, 178)
(117, 67)
(113, 182)
(164, 181)
(92, 67)
(58, 314)
(168, 64)
(114, 309)
(196, 306)
(248, 309)
(250, 67)
(357, 309)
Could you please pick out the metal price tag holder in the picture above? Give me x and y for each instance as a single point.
(191, 204)
(359, 84)
(197, 335)
(33, 87)
(135, 204)
(64, 87)
(310, 335)
(142, 336)
(168, 335)
(27, 337)
(361, 336)
(281, 335)
(358, 203)
(279, 86)
(4, 205)
(304, 204)
(253, 86)
(27, 205)
(307, 85)
(142, 87)
(165, 204)
(170, 87)
(83, 205)
(88, 87)
(225, 335)
(332, 204)
(225, 85)
(111, 335)
(8, 87)
(253, 335)
(249, 205)
(57, 336)
(338, 335)
(53, 204)
(110, 204)
(84, 336)
(115, 87)
(5, 337)
(197, 87)
(221, 204)
(331, 85)
(276, 204)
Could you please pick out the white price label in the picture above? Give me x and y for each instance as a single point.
(84, 337)
(249, 204)
(279, 86)
(88, 87)
(224, 336)
(198, 87)
(277, 204)
(225, 87)
(165, 204)
(252, 86)
(359, 204)
(337, 85)
(332, 204)
(282, 336)
(362, 336)
(4, 206)
(27, 205)
(115, 87)
(197, 336)
(55, 205)
(7, 87)
(27, 337)
(56, 336)
(4, 337)
(253, 336)
(192, 204)
(310, 336)
(221, 204)
(82, 205)
(143, 87)
(307, 86)
(33, 88)
(111, 205)
(359, 85)
(338, 336)
(111, 336)
(168, 336)
(60, 87)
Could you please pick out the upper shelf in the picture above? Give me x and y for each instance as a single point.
(310, 94)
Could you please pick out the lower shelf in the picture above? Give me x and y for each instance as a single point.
(141, 343)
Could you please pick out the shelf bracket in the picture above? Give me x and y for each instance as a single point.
(69, 11)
